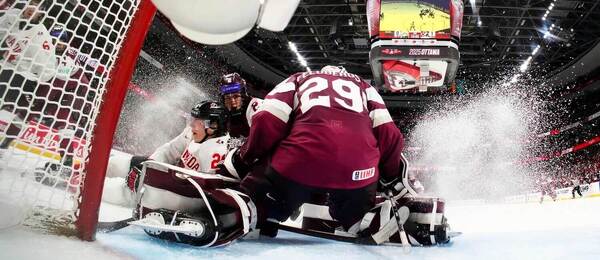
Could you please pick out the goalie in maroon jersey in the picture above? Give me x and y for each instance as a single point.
(325, 132)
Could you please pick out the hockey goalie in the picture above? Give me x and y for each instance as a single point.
(325, 133)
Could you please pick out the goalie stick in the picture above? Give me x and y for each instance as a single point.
(110, 226)
(346, 239)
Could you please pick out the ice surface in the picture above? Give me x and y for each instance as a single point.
(552, 230)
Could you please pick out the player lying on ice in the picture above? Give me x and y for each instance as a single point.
(200, 147)
(322, 132)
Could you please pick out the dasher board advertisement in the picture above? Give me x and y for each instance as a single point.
(426, 19)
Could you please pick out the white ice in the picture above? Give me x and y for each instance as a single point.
(552, 230)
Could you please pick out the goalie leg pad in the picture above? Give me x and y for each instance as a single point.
(426, 224)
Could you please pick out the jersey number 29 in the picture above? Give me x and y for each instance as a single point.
(347, 94)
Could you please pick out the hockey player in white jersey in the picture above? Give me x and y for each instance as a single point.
(30, 52)
(27, 60)
(200, 147)
(17, 12)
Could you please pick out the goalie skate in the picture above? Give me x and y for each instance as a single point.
(178, 227)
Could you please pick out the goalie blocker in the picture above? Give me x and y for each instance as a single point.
(205, 210)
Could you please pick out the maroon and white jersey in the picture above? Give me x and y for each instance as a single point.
(325, 129)
(236, 141)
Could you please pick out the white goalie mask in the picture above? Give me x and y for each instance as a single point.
(224, 21)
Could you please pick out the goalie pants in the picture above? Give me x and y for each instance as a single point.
(277, 197)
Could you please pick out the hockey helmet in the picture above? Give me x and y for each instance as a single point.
(60, 32)
(232, 83)
(212, 112)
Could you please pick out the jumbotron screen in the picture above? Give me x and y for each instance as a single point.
(426, 19)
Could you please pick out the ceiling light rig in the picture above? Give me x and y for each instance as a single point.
(546, 34)
(299, 56)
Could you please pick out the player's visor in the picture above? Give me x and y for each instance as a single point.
(230, 88)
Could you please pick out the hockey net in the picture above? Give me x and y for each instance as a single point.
(63, 70)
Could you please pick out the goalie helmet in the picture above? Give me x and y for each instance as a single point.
(213, 113)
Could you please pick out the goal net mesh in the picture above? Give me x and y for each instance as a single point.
(56, 57)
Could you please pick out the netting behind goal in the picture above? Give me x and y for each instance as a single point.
(64, 68)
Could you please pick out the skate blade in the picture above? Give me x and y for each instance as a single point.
(155, 225)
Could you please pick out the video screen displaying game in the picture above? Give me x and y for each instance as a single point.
(426, 19)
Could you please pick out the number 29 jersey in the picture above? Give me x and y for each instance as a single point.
(326, 130)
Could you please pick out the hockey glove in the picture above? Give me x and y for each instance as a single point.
(133, 177)
(394, 186)
(233, 165)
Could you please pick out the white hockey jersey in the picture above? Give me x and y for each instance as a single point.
(184, 152)
(31, 53)
(203, 157)
(9, 22)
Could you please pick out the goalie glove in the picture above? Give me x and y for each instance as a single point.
(133, 177)
(393, 187)
(233, 165)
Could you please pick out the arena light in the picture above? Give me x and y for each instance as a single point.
(535, 51)
(525, 64)
(299, 56)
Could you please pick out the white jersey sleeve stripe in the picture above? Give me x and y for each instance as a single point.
(372, 95)
(380, 117)
(253, 108)
(277, 108)
(283, 87)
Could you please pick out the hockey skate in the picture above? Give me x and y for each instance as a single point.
(193, 229)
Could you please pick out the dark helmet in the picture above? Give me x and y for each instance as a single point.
(60, 32)
(213, 112)
(232, 83)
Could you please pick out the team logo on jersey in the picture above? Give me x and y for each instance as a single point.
(360, 175)
(190, 161)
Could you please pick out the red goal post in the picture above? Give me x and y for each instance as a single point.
(108, 117)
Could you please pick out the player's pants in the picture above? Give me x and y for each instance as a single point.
(278, 197)
(578, 189)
